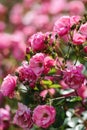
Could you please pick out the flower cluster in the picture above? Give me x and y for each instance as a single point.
(51, 80)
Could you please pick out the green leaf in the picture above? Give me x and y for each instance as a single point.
(46, 82)
(75, 99)
(55, 86)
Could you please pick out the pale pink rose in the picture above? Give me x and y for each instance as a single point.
(37, 63)
(41, 21)
(74, 20)
(44, 115)
(23, 117)
(16, 14)
(44, 7)
(5, 40)
(8, 85)
(82, 91)
(73, 77)
(29, 30)
(83, 29)
(62, 25)
(18, 45)
(76, 7)
(59, 6)
(4, 118)
(78, 38)
(37, 41)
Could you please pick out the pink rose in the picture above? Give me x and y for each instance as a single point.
(26, 74)
(73, 77)
(23, 117)
(44, 115)
(37, 41)
(16, 14)
(8, 85)
(78, 38)
(83, 29)
(4, 118)
(76, 7)
(62, 25)
(59, 6)
(18, 45)
(74, 20)
(48, 63)
(37, 63)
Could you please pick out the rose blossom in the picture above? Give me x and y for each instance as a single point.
(44, 115)
(23, 117)
(74, 20)
(37, 41)
(8, 85)
(48, 63)
(78, 38)
(83, 29)
(73, 77)
(37, 63)
(62, 25)
(26, 74)
(76, 7)
(4, 118)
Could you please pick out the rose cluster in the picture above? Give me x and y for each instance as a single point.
(52, 78)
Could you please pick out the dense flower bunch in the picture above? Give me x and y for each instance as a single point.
(22, 18)
(50, 86)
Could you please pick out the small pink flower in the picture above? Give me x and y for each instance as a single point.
(23, 117)
(44, 115)
(78, 38)
(4, 118)
(73, 77)
(83, 29)
(8, 85)
(37, 41)
(37, 63)
(62, 25)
